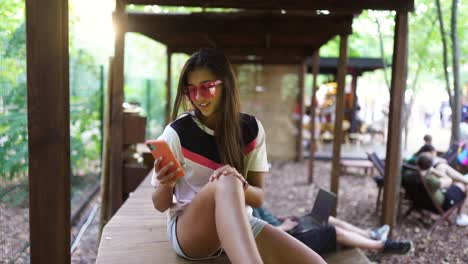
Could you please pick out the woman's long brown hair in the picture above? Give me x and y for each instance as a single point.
(228, 135)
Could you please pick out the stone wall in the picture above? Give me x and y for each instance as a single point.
(269, 93)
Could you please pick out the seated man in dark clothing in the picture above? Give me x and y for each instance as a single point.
(324, 238)
(447, 188)
(426, 147)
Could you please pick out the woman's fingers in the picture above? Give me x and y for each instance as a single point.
(226, 171)
(218, 172)
(163, 171)
(170, 178)
(157, 163)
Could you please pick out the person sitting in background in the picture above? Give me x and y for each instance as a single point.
(439, 165)
(447, 188)
(323, 239)
(427, 145)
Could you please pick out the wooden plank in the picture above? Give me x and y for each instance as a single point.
(48, 130)
(116, 119)
(312, 5)
(137, 233)
(392, 177)
(346, 256)
(313, 106)
(339, 114)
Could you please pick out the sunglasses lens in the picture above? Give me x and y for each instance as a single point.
(191, 91)
(206, 90)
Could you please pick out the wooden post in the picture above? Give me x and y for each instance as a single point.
(353, 117)
(48, 130)
(106, 211)
(397, 93)
(313, 106)
(299, 149)
(116, 118)
(168, 87)
(339, 114)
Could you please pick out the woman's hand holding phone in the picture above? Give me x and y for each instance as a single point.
(166, 165)
(164, 174)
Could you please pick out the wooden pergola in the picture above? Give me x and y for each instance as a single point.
(279, 32)
(329, 66)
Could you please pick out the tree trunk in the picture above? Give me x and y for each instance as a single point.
(445, 52)
(382, 53)
(456, 108)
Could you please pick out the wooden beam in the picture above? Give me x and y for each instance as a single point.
(313, 5)
(234, 24)
(116, 118)
(251, 55)
(243, 52)
(299, 149)
(48, 130)
(392, 177)
(313, 106)
(339, 114)
(266, 61)
(106, 211)
(168, 87)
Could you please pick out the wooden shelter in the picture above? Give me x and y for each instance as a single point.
(329, 66)
(264, 31)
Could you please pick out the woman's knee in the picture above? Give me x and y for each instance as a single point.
(228, 183)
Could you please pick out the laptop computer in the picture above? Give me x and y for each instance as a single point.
(321, 211)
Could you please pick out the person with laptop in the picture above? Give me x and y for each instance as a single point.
(323, 236)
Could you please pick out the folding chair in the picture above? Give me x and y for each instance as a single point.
(417, 191)
(379, 179)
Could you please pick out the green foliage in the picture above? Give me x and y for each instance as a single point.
(13, 121)
(145, 78)
(85, 116)
(84, 98)
(425, 64)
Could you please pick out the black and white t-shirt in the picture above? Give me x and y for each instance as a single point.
(195, 148)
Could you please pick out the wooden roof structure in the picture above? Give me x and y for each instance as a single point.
(302, 5)
(355, 66)
(246, 36)
(285, 33)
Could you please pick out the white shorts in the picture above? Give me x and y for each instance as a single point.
(255, 223)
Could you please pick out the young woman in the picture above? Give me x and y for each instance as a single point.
(223, 154)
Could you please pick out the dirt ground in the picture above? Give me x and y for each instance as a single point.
(288, 194)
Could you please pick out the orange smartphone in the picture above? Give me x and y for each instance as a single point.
(159, 148)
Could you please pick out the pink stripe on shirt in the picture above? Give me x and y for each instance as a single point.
(197, 158)
(251, 146)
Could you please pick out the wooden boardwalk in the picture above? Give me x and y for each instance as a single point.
(137, 234)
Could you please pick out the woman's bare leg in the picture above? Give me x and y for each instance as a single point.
(216, 218)
(351, 239)
(347, 226)
(277, 246)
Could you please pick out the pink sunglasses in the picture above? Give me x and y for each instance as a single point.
(206, 89)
